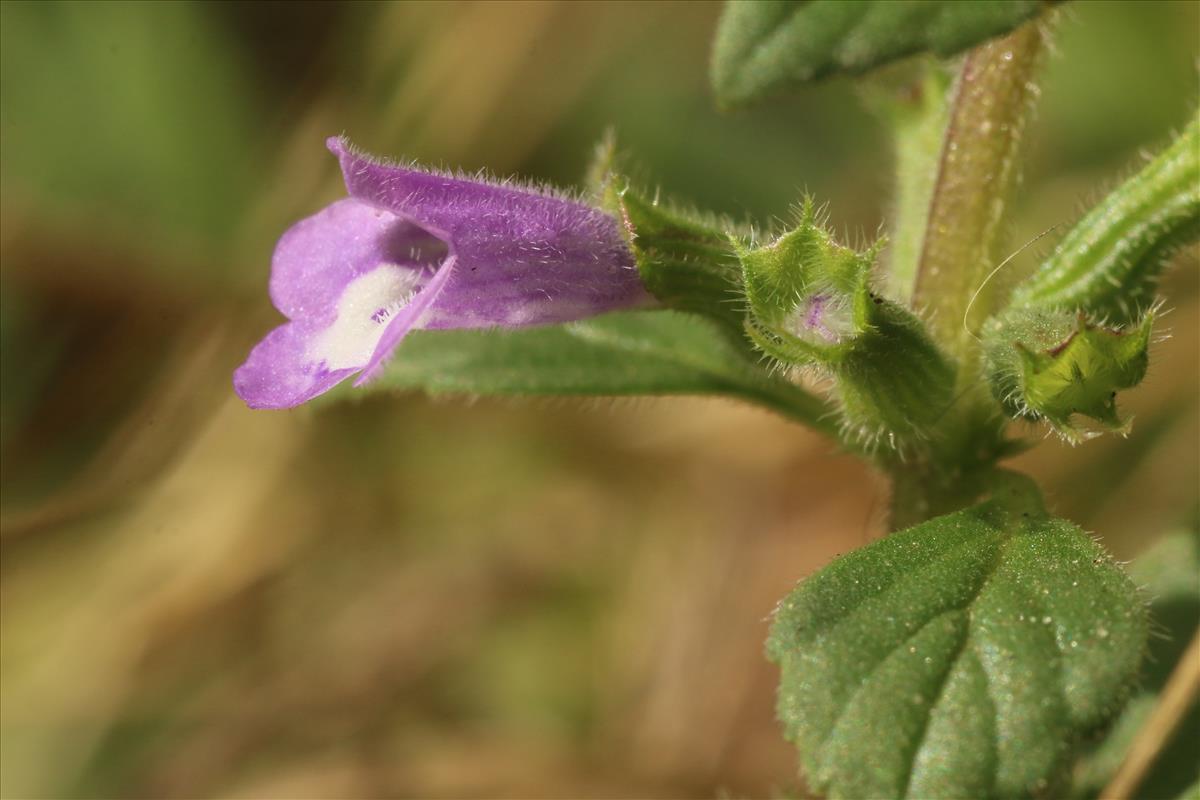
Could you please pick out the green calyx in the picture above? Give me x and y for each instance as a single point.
(1046, 357)
(811, 305)
(808, 295)
(688, 264)
(893, 383)
(1055, 366)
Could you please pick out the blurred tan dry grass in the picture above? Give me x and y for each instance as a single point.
(401, 597)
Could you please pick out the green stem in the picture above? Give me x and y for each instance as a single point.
(976, 175)
(918, 121)
(924, 490)
(977, 172)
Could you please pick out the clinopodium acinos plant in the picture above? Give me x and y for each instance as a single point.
(979, 649)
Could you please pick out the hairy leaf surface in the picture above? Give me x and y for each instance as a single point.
(963, 657)
(1110, 262)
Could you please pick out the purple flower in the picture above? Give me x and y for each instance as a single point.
(410, 249)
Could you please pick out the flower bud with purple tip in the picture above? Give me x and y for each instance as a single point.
(412, 249)
(811, 305)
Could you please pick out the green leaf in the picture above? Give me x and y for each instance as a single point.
(963, 657)
(627, 353)
(1167, 574)
(763, 46)
(1110, 262)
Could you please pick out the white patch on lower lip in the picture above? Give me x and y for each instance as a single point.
(363, 311)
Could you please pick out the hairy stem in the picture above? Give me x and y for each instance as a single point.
(976, 175)
(918, 121)
(922, 491)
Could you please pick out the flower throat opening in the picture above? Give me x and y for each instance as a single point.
(374, 297)
(822, 319)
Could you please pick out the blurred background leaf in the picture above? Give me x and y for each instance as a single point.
(140, 112)
(1167, 574)
(397, 597)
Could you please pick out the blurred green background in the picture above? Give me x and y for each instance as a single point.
(399, 597)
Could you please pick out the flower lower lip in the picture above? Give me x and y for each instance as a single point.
(352, 338)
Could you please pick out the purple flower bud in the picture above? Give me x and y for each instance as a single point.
(411, 249)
